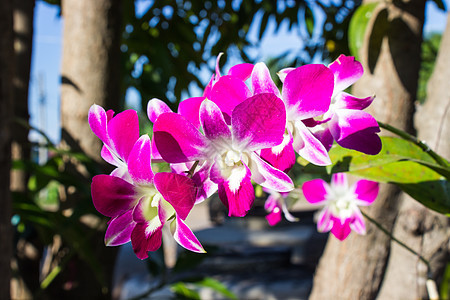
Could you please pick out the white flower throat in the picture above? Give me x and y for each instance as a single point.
(342, 201)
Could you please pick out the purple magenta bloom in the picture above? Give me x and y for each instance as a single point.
(156, 107)
(306, 94)
(275, 205)
(341, 213)
(140, 208)
(118, 134)
(345, 121)
(229, 152)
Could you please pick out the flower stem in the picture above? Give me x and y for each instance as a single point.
(416, 141)
(192, 170)
(398, 241)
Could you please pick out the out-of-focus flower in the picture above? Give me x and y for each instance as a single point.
(341, 213)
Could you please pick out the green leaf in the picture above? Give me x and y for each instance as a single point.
(184, 292)
(309, 20)
(217, 286)
(358, 25)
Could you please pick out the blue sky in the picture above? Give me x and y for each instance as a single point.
(46, 60)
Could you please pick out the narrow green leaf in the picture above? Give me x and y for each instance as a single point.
(217, 286)
(309, 20)
(184, 292)
(358, 25)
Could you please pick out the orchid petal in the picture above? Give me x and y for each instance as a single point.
(156, 107)
(228, 92)
(139, 161)
(307, 91)
(122, 172)
(119, 229)
(346, 72)
(156, 157)
(112, 196)
(283, 73)
(269, 177)
(123, 131)
(323, 134)
(315, 191)
(206, 187)
(308, 146)
(144, 240)
(177, 140)
(190, 109)
(281, 157)
(237, 198)
(259, 122)
(347, 101)
(339, 180)
(274, 217)
(178, 190)
(109, 114)
(98, 122)
(109, 157)
(366, 192)
(241, 71)
(357, 130)
(324, 221)
(213, 122)
(340, 230)
(358, 225)
(186, 238)
(207, 92)
(262, 82)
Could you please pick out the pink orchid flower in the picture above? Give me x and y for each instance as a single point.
(345, 121)
(229, 152)
(341, 213)
(118, 134)
(140, 208)
(275, 205)
(205, 187)
(306, 93)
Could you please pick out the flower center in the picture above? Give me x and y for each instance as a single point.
(342, 203)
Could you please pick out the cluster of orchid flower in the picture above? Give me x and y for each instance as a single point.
(242, 131)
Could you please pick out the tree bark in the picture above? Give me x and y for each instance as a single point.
(23, 16)
(23, 44)
(90, 74)
(6, 112)
(426, 232)
(355, 268)
(90, 67)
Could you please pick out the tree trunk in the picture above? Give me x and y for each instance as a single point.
(6, 112)
(90, 67)
(23, 15)
(425, 231)
(90, 74)
(23, 44)
(355, 268)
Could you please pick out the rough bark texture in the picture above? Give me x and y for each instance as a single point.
(6, 110)
(23, 43)
(90, 74)
(90, 67)
(355, 269)
(26, 266)
(425, 231)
